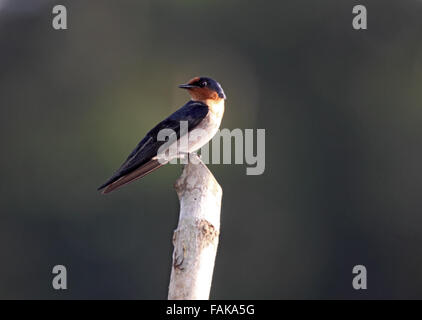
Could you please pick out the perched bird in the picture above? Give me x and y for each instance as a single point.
(203, 114)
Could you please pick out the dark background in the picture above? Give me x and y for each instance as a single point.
(342, 112)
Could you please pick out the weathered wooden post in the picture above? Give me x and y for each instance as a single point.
(196, 237)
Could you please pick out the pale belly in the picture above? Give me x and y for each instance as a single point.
(194, 140)
(199, 136)
(203, 133)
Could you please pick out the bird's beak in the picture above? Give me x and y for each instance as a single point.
(186, 86)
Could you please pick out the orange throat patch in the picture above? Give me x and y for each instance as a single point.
(210, 98)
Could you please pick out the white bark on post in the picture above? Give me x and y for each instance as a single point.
(196, 238)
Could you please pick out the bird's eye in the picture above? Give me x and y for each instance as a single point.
(203, 84)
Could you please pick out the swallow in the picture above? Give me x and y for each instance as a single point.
(203, 113)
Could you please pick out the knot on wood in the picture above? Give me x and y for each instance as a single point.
(208, 233)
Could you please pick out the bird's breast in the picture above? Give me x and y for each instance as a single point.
(216, 107)
(208, 127)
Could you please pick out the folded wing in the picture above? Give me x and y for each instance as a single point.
(140, 162)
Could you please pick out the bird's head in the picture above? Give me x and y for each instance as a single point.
(203, 89)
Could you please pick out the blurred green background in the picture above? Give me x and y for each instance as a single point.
(342, 111)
